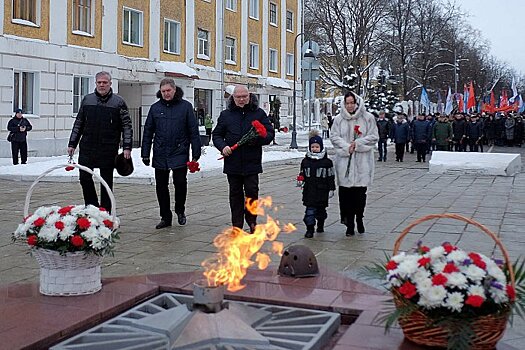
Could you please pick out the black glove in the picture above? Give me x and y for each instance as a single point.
(145, 161)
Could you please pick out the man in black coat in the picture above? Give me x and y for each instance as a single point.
(172, 128)
(101, 120)
(18, 127)
(243, 165)
(383, 128)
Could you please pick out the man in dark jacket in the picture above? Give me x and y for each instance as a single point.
(459, 133)
(383, 129)
(171, 127)
(18, 127)
(474, 133)
(243, 165)
(400, 134)
(101, 120)
(420, 135)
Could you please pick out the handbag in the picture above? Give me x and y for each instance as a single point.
(10, 136)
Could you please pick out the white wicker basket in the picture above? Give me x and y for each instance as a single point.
(75, 273)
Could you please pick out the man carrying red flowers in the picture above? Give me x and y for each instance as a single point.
(242, 165)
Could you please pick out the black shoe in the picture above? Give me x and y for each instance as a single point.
(360, 226)
(380, 160)
(181, 219)
(163, 223)
(384, 159)
(419, 160)
(397, 159)
(320, 226)
(309, 234)
(309, 231)
(350, 232)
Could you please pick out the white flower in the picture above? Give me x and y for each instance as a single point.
(438, 266)
(407, 267)
(45, 211)
(454, 301)
(65, 233)
(423, 285)
(51, 219)
(437, 252)
(495, 271)
(433, 296)
(420, 276)
(499, 295)
(457, 280)
(475, 273)
(48, 233)
(69, 220)
(476, 290)
(457, 256)
(399, 257)
(105, 232)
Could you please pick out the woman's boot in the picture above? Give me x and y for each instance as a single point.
(350, 225)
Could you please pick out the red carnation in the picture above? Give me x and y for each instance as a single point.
(391, 265)
(474, 300)
(39, 222)
(65, 210)
(511, 292)
(259, 128)
(83, 223)
(474, 256)
(408, 290)
(356, 130)
(108, 223)
(450, 267)
(424, 249)
(449, 248)
(300, 178)
(193, 166)
(439, 280)
(481, 264)
(70, 167)
(102, 209)
(59, 225)
(77, 241)
(32, 240)
(423, 261)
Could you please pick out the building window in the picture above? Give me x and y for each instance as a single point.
(289, 21)
(289, 64)
(202, 101)
(254, 9)
(81, 87)
(24, 92)
(231, 5)
(229, 50)
(132, 27)
(82, 16)
(204, 44)
(273, 60)
(273, 13)
(26, 10)
(254, 56)
(171, 36)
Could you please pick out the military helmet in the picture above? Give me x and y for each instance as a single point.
(298, 261)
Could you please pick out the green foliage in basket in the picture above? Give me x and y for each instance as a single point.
(70, 229)
(451, 287)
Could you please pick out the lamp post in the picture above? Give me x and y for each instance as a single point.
(293, 143)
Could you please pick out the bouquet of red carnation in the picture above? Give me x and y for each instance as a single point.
(300, 180)
(193, 166)
(357, 133)
(257, 130)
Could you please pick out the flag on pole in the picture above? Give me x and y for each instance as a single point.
(424, 100)
(504, 101)
(471, 100)
(514, 91)
(465, 97)
(449, 105)
(521, 105)
(439, 102)
(461, 104)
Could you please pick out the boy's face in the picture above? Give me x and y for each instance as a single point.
(315, 148)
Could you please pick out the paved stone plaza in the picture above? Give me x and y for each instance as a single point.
(402, 192)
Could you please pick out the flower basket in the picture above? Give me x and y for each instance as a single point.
(420, 327)
(69, 242)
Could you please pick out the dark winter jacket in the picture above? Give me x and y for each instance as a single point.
(474, 131)
(400, 132)
(233, 123)
(459, 128)
(518, 131)
(442, 132)
(171, 127)
(383, 128)
(489, 128)
(319, 180)
(14, 126)
(100, 122)
(421, 131)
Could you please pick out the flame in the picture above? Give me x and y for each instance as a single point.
(236, 249)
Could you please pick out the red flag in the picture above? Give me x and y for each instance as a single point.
(471, 102)
(504, 99)
(492, 99)
(461, 104)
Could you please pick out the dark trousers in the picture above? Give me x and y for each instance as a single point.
(352, 202)
(441, 147)
(180, 183)
(473, 146)
(208, 131)
(243, 187)
(421, 149)
(15, 148)
(89, 191)
(400, 151)
(382, 149)
(459, 146)
(314, 213)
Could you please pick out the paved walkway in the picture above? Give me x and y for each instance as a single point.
(402, 192)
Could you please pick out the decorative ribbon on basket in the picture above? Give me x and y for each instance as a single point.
(69, 242)
(448, 298)
(257, 130)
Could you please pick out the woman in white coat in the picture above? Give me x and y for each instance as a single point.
(354, 137)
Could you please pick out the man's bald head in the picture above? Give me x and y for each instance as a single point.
(241, 95)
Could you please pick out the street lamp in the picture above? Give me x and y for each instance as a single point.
(309, 54)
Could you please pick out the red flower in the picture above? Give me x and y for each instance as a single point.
(449, 248)
(59, 225)
(450, 267)
(474, 256)
(511, 292)
(108, 223)
(408, 290)
(424, 249)
(193, 166)
(474, 300)
(300, 178)
(70, 167)
(77, 241)
(477, 260)
(424, 261)
(356, 130)
(439, 280)
(32, 240)
(65, 210)
(391, 265)
(259, 128)
(102, 209)
(39, 222)
(83, 223)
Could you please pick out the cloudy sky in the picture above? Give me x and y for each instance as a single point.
(502, 23)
